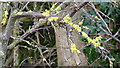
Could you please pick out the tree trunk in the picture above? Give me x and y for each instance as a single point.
(5, 33)
(63, 44)
(1, 50)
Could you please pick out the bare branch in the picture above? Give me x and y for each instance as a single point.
(100, 26)
(79, 7)
(100, 18)
(30, 14)
(113, 36)
(25, 35)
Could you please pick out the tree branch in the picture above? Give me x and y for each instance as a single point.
(79, 7)
(25, 35)
(30, 14)
(96, 11)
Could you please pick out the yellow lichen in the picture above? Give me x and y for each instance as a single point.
(73, 48)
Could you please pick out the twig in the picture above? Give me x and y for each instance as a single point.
(100, 26)
(113, 36)
(79, 7)
(24, 6)
(25, 35)
(105, 15)
(39, 48)
(62, 6)
(100, 18)
(25, 47)
(24, 61)
(48, 55)
(109, 34)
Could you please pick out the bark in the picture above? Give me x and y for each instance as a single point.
(1, 56)
(5, 34)
(4, 42)
(64, 54)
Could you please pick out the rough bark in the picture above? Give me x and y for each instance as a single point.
(5, 34)
(1, 60)
(64, 54)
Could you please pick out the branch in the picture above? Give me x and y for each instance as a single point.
(30, 14)
(24, 6)
(25, 35)
(96, 11)
(109, 34)
(105, 15)
(61, 7)
(113, 36)
(79, 7)
(9, 27)
(100, 26)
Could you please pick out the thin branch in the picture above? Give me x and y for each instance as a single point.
(109, 34)
(39, 48)
(25, 35)
(100, 26)
(105, 15)
(79, 7)
(9, 27)
(24, 6)
(30, 14)
(24, 60)
(113, 36)
(101, 18)
(61, 6)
